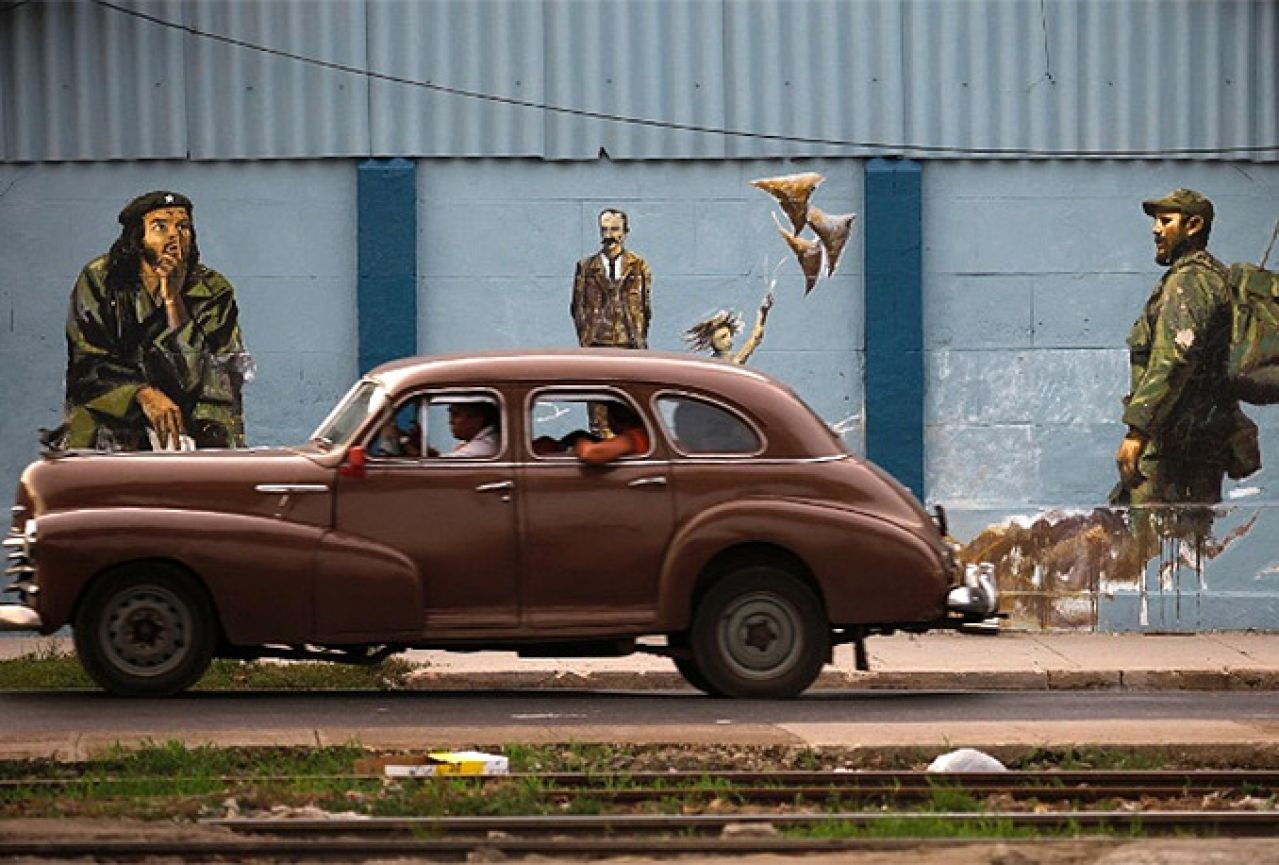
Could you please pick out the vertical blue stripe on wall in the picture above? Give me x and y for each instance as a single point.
(894, 320)
(386, 290)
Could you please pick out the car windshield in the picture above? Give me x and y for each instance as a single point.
(364, 399)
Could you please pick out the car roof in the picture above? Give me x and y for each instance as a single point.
(788, 422)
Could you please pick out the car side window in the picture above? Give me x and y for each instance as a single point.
(400, 436)
(559, 420)
(700, 428)
(445, 425)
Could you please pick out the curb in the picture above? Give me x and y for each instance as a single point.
(1244, 679)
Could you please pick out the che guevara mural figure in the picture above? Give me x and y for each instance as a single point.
(155, 356)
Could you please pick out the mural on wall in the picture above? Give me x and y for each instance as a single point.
(155, 357)
(1206, 336)
(717, 332)
(1185, 428)
(794, 193)
(612, 290)
(612, 297)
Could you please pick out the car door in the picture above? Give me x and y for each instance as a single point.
(593, 537)
(450, 512)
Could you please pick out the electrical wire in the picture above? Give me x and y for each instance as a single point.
(685, 127)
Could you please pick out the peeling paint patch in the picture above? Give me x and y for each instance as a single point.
(1053, 567)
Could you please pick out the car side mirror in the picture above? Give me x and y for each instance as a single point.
(353, 466)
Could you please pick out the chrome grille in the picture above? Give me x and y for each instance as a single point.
(20, 566)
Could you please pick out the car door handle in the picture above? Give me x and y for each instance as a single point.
(656, 481)
(287, 489)
(495, 486)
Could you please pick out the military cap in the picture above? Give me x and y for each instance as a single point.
(1185, 201)
(144, 204)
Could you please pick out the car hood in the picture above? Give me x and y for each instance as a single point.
(222, 480)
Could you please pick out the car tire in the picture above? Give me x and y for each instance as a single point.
(760, 632)
(145, 631)
(688, 667)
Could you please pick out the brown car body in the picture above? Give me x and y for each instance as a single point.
(323, 545)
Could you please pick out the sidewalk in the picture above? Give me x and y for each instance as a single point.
(936, 661)
(927, 662)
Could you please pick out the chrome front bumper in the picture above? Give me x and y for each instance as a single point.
(978, 597)
(16, 617)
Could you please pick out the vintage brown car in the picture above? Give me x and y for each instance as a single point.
(739, 528)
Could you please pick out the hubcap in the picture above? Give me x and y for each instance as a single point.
(146, 630)
(759, 635)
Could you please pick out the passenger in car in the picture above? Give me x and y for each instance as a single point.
(476, 426)
(546, 446)
(629, 437)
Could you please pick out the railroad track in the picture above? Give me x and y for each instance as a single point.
(777, 812)
(457, 837)
(773, 787)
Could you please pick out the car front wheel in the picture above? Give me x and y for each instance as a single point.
(145, 631)
(760, 632)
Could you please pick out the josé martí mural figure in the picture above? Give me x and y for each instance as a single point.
(612, 290)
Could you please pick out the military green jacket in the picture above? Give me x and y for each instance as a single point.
(1177, 354)
(119, 342)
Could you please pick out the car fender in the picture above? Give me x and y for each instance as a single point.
(859, 553)
(366, 592)
(258, 571)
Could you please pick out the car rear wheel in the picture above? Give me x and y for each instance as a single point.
(759, 632)
(145, 631)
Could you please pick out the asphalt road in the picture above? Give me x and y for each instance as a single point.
(72, 724)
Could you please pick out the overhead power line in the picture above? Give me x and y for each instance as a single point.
(654, 123)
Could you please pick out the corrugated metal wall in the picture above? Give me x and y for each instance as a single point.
(158, 79)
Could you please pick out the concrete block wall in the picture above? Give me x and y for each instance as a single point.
(1033, 275)
(499, 239)
(283, 233)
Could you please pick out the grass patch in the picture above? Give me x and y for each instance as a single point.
(48, 668)
(922, 827)
(1083, 759)
(54, 669)
(228, 675)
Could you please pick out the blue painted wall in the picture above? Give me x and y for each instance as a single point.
(499, 240)
(284, 233)
(1031, 275)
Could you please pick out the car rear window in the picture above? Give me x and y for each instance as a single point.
(700, 428)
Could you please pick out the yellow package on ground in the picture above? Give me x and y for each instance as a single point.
(450, 763)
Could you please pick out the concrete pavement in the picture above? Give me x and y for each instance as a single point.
(940, 662)
(1009, 660)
